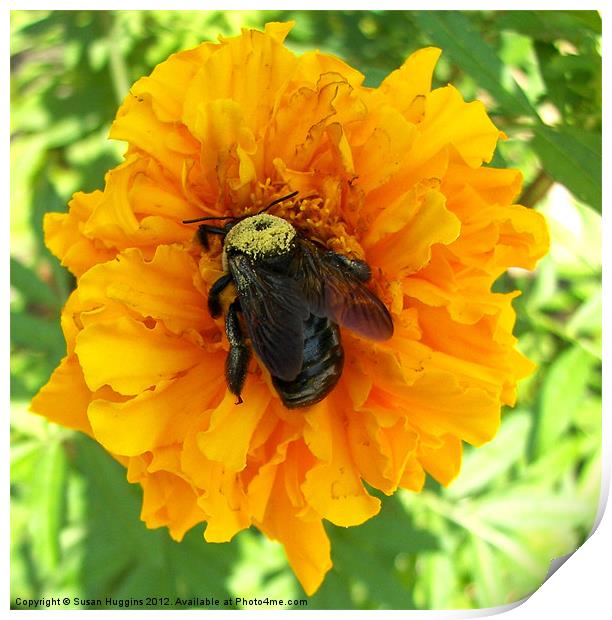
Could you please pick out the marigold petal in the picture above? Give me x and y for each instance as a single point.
(495, 237)
(221, 493)
(260, 487)
(313, 65)
(380, 454)
(165, 87)
(157, 417)
(192, 459)
(495, 185)
(228, 437)
(167, 500)
(153, 193)
(279, 30)
(412, 79)
(332, 487)
(65, 397)
(392, 368)
(70, 320)
(305, 541)
(450, 121)
(161, 288)
(64, 234)
(114, 218)
(130, 357)
(482, 351)
(311, 118)
(442, 461)
(230, 143)
(440, 405)
(402, 444)
(523, 239)
(381, 144)
(413, 478)
(465, 304)
(412, 227)
(357, 381)
(224, 502)
(250, 70)
(137, 124)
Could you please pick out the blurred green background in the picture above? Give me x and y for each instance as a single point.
(528, 496)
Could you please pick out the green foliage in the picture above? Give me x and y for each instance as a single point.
(528, 496)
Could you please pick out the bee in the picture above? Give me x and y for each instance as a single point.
(292, 295)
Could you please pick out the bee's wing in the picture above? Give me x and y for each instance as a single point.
(333, 291)
(274, 311)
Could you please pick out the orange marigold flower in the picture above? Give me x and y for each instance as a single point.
(391, 175)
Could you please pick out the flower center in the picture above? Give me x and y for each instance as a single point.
(315, 219)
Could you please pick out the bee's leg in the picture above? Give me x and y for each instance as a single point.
(214, 303)
(204, 230)
(358, 268)
(237, 360)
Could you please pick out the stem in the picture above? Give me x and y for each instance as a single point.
(481, 530)
(536, 190)
(117, 66)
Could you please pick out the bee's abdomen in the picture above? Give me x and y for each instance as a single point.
(321, 368)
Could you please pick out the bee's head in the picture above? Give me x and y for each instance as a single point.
(260, 236)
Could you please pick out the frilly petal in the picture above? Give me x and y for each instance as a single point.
(333, 487)
(157, 417)
(131, 357)
(162, 288)
(65, 397)
(65, 237)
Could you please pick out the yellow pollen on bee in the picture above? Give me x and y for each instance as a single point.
(261, 235)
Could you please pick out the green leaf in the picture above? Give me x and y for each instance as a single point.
(439, 580)
(262, 567)
(587, 417)
(480, 467)
(587, 319)
(551, 25)
(33, 289)
(545, 285)
(47, 492)
(525, 508)
(562, 393)
(490, 589)
(572, 157)
(589, 485)
(554, 464)
(334, 593)
(26, 425)
(365, 557)
(371, 572)
(25, 457)
(393, 531)
(36, 334)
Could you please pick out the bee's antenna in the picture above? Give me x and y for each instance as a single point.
(209, 217)
(275, 202)
(232, 217)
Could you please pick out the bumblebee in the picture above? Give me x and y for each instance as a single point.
(292, 295)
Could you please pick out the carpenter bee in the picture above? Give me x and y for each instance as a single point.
(292, 294)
